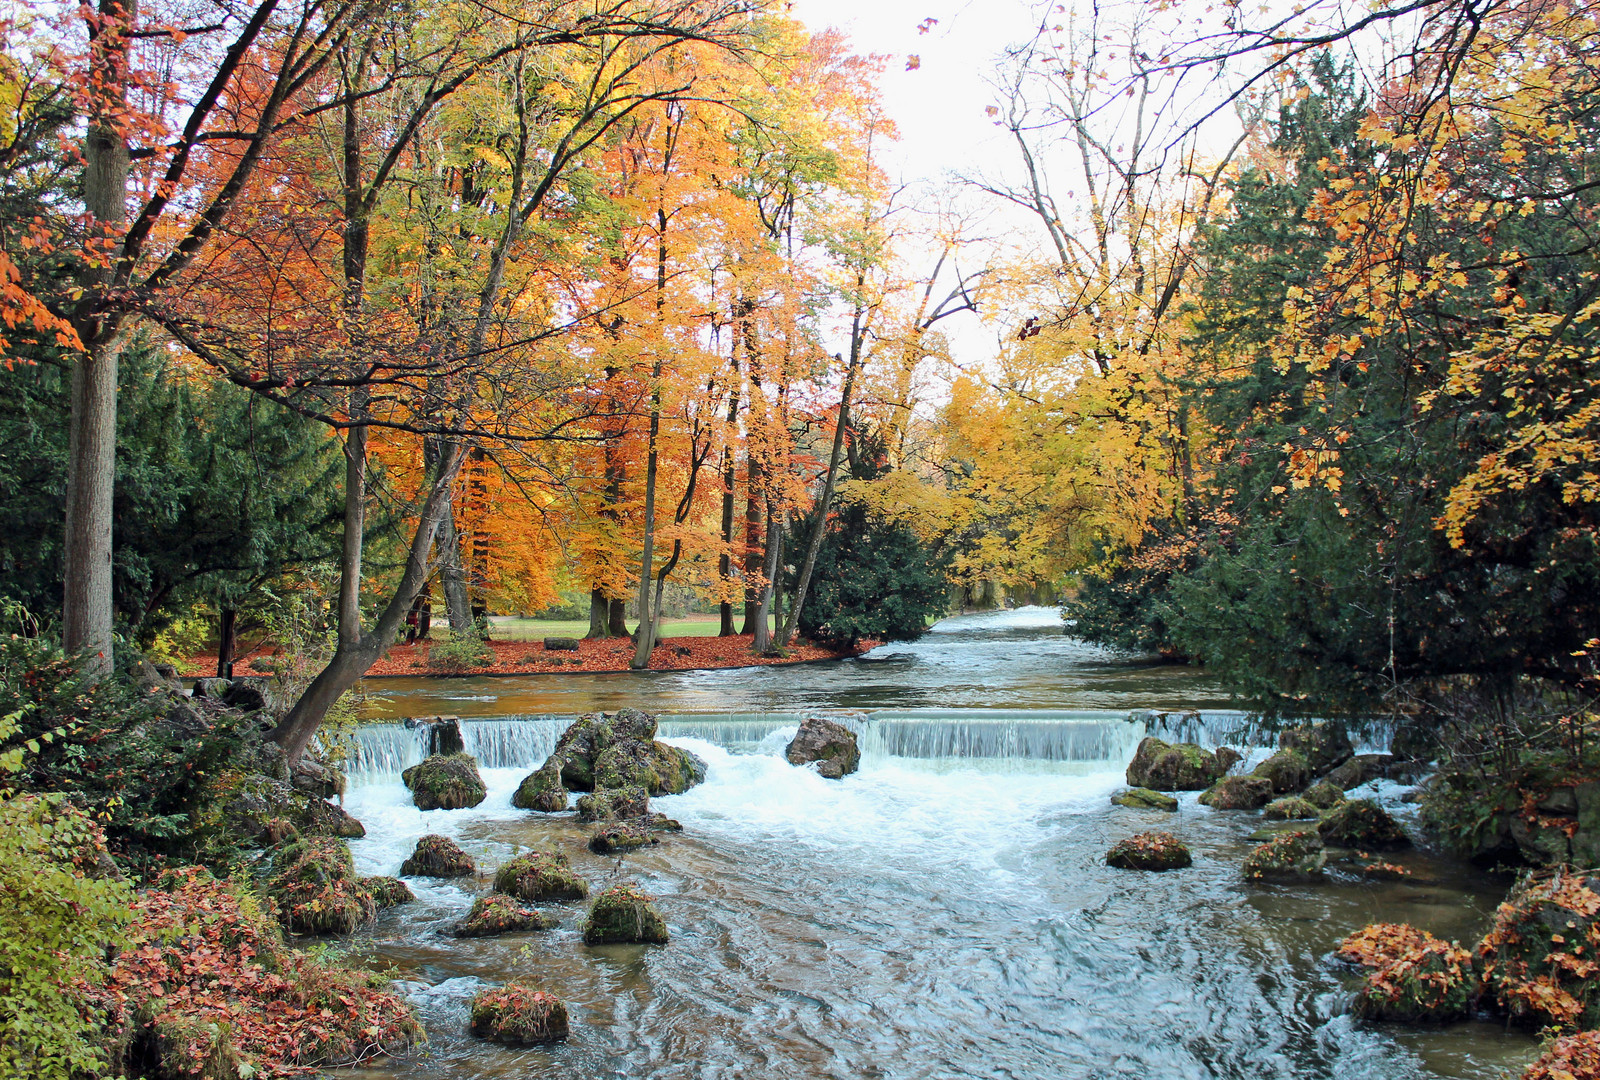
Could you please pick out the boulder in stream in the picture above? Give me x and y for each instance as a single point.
(1227, 757)
(1238, 793)
(542, 789)
(831, 747)
(620, 837)
(1324, 795)
(1287, 771)
(1361, 823)
(1144, 799)
(1323, 745)
(500, 914)
(1172, 766)
(1530, 958)
(444, 734)
(445, 782)
(623, 914)
(607, 804)
(518, 1013)
(1149, 851)
(440, 857)
(540, 876)
(618, 750)
(1291, 808)
(315, 888)
(1360, 769)
(387, 892)
(1571, 1057)
(1413, 976)
(1288, 855)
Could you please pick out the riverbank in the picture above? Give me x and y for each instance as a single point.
(591, 657)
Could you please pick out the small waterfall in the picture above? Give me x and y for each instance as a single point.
(746, 732)
(1040, 735)
(513, 742)
(380, 752)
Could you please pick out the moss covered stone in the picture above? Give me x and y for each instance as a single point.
(519, 1013)
(618, 750)
(445, 782)
(1291, 808)
(613, 804)
(1538, 958)
(387, 892)
(1227, 757)
(1290, 855)
(1149, 851)
(1361, 769)
(501, 914)
(438, 856)
(1412, 975)
(1323, 745)
(314, 885)
(540, 876)
(621, 836)
(1172, 767)
(542, 789)
(1287, 771)
(1144, 799)
(1238, 793)
(624, 913)
(1361, 823)
(1323, 795)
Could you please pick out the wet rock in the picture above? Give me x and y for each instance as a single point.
(1289, 855)
(1287, 770)
(387, 892)
(624, 913)
(315, 778)
(677, 770)
(1324, 746)
(1413, 976)
(662, 823)
(445, 783)
(832, 747)
(1172, 767)
(1361, 769)
(444, 734)
(540, 876)
(1537, 958)
(1238, 793)
(613, 805)
(1291, 808)
(1378, 870)
(1144, 799)
(263, 809)
(542, 789)
(1149, 851)
(316, 890)
(500, 914)
(1361, 823)
(1324, 795)
(1227, 757)
(519, 1014)
(617, 750)
(440, 857)
(620, 837)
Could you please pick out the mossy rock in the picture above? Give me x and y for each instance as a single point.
(500, 914)
(1323, 745)
(1361, 769)
(662, 823)
(1361, 823)
(1172, 767)
(1324, 795)
(621, 836)
(520, 1014)
(542, 789)
(540, 876)
(624, 914)
(1144, 799)
(1227, 757)
(1290, 855)
(677, 770)
(314, 886)
(1238, 793)
(611, 804)
(1534, 959)
(445, 782)
(1412, 976)
(1291, 808)
(387, 892)
(1287, 771)
(440, 857)
(829, 746)
(1149, 851)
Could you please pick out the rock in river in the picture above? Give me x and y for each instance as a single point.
(501, 914)
(624, 913)
(1287, 771)
(518, 1013)
(440, 857)
(542, 789)
(617, 750)
(831, 746)
(1289, 855)
(1149, 851)
(1238, 793)
(1172, 767)
(540, 876)
(1361, 823)
(1144, 799)
(445, 782)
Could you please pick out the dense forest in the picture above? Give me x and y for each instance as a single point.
(314, 313)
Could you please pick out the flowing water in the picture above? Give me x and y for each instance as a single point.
(943, 912)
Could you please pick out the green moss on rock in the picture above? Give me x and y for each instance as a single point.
(445, 782)
(315, 888)
(540, 876)
(500, 914)
(519, 1013)
(1287, 771)
(1144, 799)
(1361, 823)
(440, 857)
(1149, 851)
(1238, 793)
(1323, 745)
(621, 836)
(1324, 795)
(1290, 808)
(387, 892)
(613, 804)
(1161, 766)
(542, 789)
(624, 913)
(1290, 855)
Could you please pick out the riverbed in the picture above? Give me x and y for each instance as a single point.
(944, 912)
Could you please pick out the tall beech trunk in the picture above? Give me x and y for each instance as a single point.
(752, 549)
(92, 421)
(641, 650)
(763, 633)
(453, 577)
(358, 648)
(599, 606)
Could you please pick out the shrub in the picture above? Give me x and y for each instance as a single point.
(539, 876)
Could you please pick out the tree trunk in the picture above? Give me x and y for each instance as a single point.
(453, 578)
(762, 642)
(599, 607)
(752, 551)
(227, 642)
(641, 651)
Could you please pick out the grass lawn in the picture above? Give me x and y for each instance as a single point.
(514, 628)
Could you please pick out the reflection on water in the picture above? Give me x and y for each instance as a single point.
(945, 912)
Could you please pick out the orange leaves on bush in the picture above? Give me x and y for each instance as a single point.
(1382, 943)
(1571, 1057)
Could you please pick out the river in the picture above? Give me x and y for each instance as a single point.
(944, 912)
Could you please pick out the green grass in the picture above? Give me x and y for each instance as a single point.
(513, 628)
